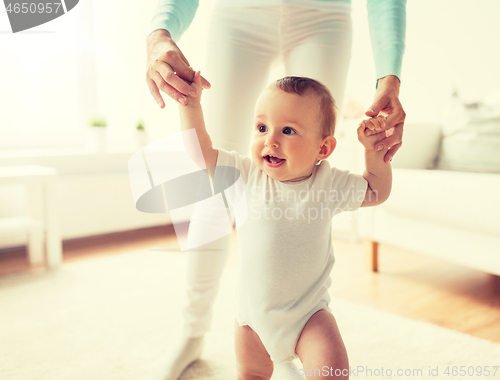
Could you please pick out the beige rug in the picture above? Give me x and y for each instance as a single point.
(107, 318)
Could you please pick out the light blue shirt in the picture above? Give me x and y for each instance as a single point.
(387, 20)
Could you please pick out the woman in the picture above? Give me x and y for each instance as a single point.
(245, 36)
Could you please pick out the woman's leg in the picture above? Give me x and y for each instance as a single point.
(317, 44)
(241, 46)
(240, 50)
(237, 65)
(320, 345)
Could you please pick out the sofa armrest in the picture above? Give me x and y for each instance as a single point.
(420, 147)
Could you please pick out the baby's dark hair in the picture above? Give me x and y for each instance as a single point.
(303, 85)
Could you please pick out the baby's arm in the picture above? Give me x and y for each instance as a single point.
(378, 173)
(191, 116)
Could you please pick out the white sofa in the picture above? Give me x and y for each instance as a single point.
(451, 215)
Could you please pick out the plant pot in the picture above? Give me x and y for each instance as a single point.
(95, 139)
(141, 138)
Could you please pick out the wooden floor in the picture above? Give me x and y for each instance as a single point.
(407, 284)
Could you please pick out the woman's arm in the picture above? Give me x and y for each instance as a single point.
(167, 68)
(174, 16)
(387, 19)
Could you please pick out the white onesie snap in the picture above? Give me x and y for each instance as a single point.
(285, 253)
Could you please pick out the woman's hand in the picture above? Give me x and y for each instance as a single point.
(168, 70)
(386, 103)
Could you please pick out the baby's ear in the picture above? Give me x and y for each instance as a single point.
(327, 148)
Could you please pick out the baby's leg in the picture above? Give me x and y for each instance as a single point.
(252, 360)
(320, 344)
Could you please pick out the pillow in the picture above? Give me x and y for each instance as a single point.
(471, 140)
(474, 148)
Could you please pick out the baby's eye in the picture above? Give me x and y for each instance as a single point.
(288, 131)
(262, 128)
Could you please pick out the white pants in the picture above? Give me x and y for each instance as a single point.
(241, 46)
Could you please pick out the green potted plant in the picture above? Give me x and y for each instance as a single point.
(97, 121)
(141, 136)
(96, 134)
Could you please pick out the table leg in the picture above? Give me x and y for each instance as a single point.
(34, 199)
(53, 237)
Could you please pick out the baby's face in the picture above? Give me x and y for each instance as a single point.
(286, 140)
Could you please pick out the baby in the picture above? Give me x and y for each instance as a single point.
(285, 252)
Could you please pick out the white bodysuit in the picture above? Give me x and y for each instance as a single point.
(285, 253)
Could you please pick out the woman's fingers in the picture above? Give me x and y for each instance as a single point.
(173, 77)
(396, 117)
(176, 76)
(392, 142)
(390, 154)
(167, 88)
(205, 83)
(153, 89)
(168, 70)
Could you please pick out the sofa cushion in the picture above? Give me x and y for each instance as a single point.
(474, 148)
(471, 140)
(463, 199)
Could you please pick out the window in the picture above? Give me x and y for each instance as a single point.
(42, 70)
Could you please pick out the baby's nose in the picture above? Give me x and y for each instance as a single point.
(272, 142)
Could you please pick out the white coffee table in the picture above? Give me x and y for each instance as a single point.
(41, 189)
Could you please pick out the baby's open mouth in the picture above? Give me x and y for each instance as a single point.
(274, 160)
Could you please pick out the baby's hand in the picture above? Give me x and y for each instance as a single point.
(371, 131)
(197, 87)
(374, 125)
